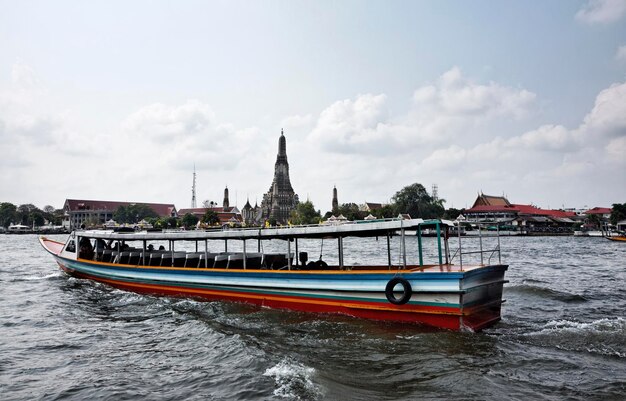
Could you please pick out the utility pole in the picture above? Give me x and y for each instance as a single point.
(193, 189)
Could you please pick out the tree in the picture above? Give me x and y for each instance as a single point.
(172, 222)
(618, 213)
(210, 218)
(305, 213)
(133, 213)
(189, 220)
(351, 211)
(385, 212)
(594, 220)
(415, 201)
(7, 213)
(452, 213)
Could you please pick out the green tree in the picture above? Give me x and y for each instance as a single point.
(172, 222)
(7, 214)
(210, 218)
(452, 213)
(385, 212)
(189, 220)
(351, 211)
(594, 220)
(305, 213)
(618, 213)
(415, 201)
(26, 213)
(133, 213)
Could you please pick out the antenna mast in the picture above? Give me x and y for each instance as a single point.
(193, 189)
(435, 194)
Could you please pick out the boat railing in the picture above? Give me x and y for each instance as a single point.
(481, 249)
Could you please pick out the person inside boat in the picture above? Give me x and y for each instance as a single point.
(150, 248)
(86, 250)
(100, 245)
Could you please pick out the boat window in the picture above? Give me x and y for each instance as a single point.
(71, 246)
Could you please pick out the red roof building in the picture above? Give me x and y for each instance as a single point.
(498, 209)
(604, 211)
(226, 215)
(78, 211)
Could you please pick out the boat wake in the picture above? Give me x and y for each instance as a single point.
(294, 380)
(543, 292)
(603, 336)
(40, 277)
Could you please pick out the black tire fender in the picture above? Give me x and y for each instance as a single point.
(407, 291)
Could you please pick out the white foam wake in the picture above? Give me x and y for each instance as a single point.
(293, 380)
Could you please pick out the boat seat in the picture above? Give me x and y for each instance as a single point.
(192, 259)
(235, 261)
(221, 260)
(107, 256)
(134, 258)
(179, 259)
(115, 257)
(124, 257)
(166, 259)
(275, 260)
(154, 258)
(210, 260)
(254, 260)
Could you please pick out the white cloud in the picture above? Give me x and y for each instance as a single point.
(349, 126)
(162, 121)
(439, 113)
(608, 116)
(456, 95)
(546, 137)
(601, 11)
(616, 149)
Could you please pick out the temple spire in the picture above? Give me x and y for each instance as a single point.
(226, 203)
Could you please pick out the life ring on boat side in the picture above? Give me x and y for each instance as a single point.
(407, 291)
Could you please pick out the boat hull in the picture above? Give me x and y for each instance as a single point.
(451, 300)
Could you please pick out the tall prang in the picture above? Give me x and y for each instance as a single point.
(280, 200)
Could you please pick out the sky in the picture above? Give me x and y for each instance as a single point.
(118, 100)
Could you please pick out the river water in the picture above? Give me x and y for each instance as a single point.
(562, 336)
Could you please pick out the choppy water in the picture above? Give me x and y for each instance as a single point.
(563, 336)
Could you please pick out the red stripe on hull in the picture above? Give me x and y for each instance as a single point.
(447, 318)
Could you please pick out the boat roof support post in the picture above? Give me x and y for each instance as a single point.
(419, 245)
(297, 254)
(403, 245)
(480, 241)
(446, 247)
(460, 251)
(245, 264)
(499, 255)
(206, 253)
(388, 252)
(143, 254)
(289, 253)
(438, 227)
(172, 248)
(225, 245)
(340, 249)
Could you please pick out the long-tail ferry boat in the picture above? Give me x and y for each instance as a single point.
(447, 295)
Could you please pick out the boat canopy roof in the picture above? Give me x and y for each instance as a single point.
(362, 228)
